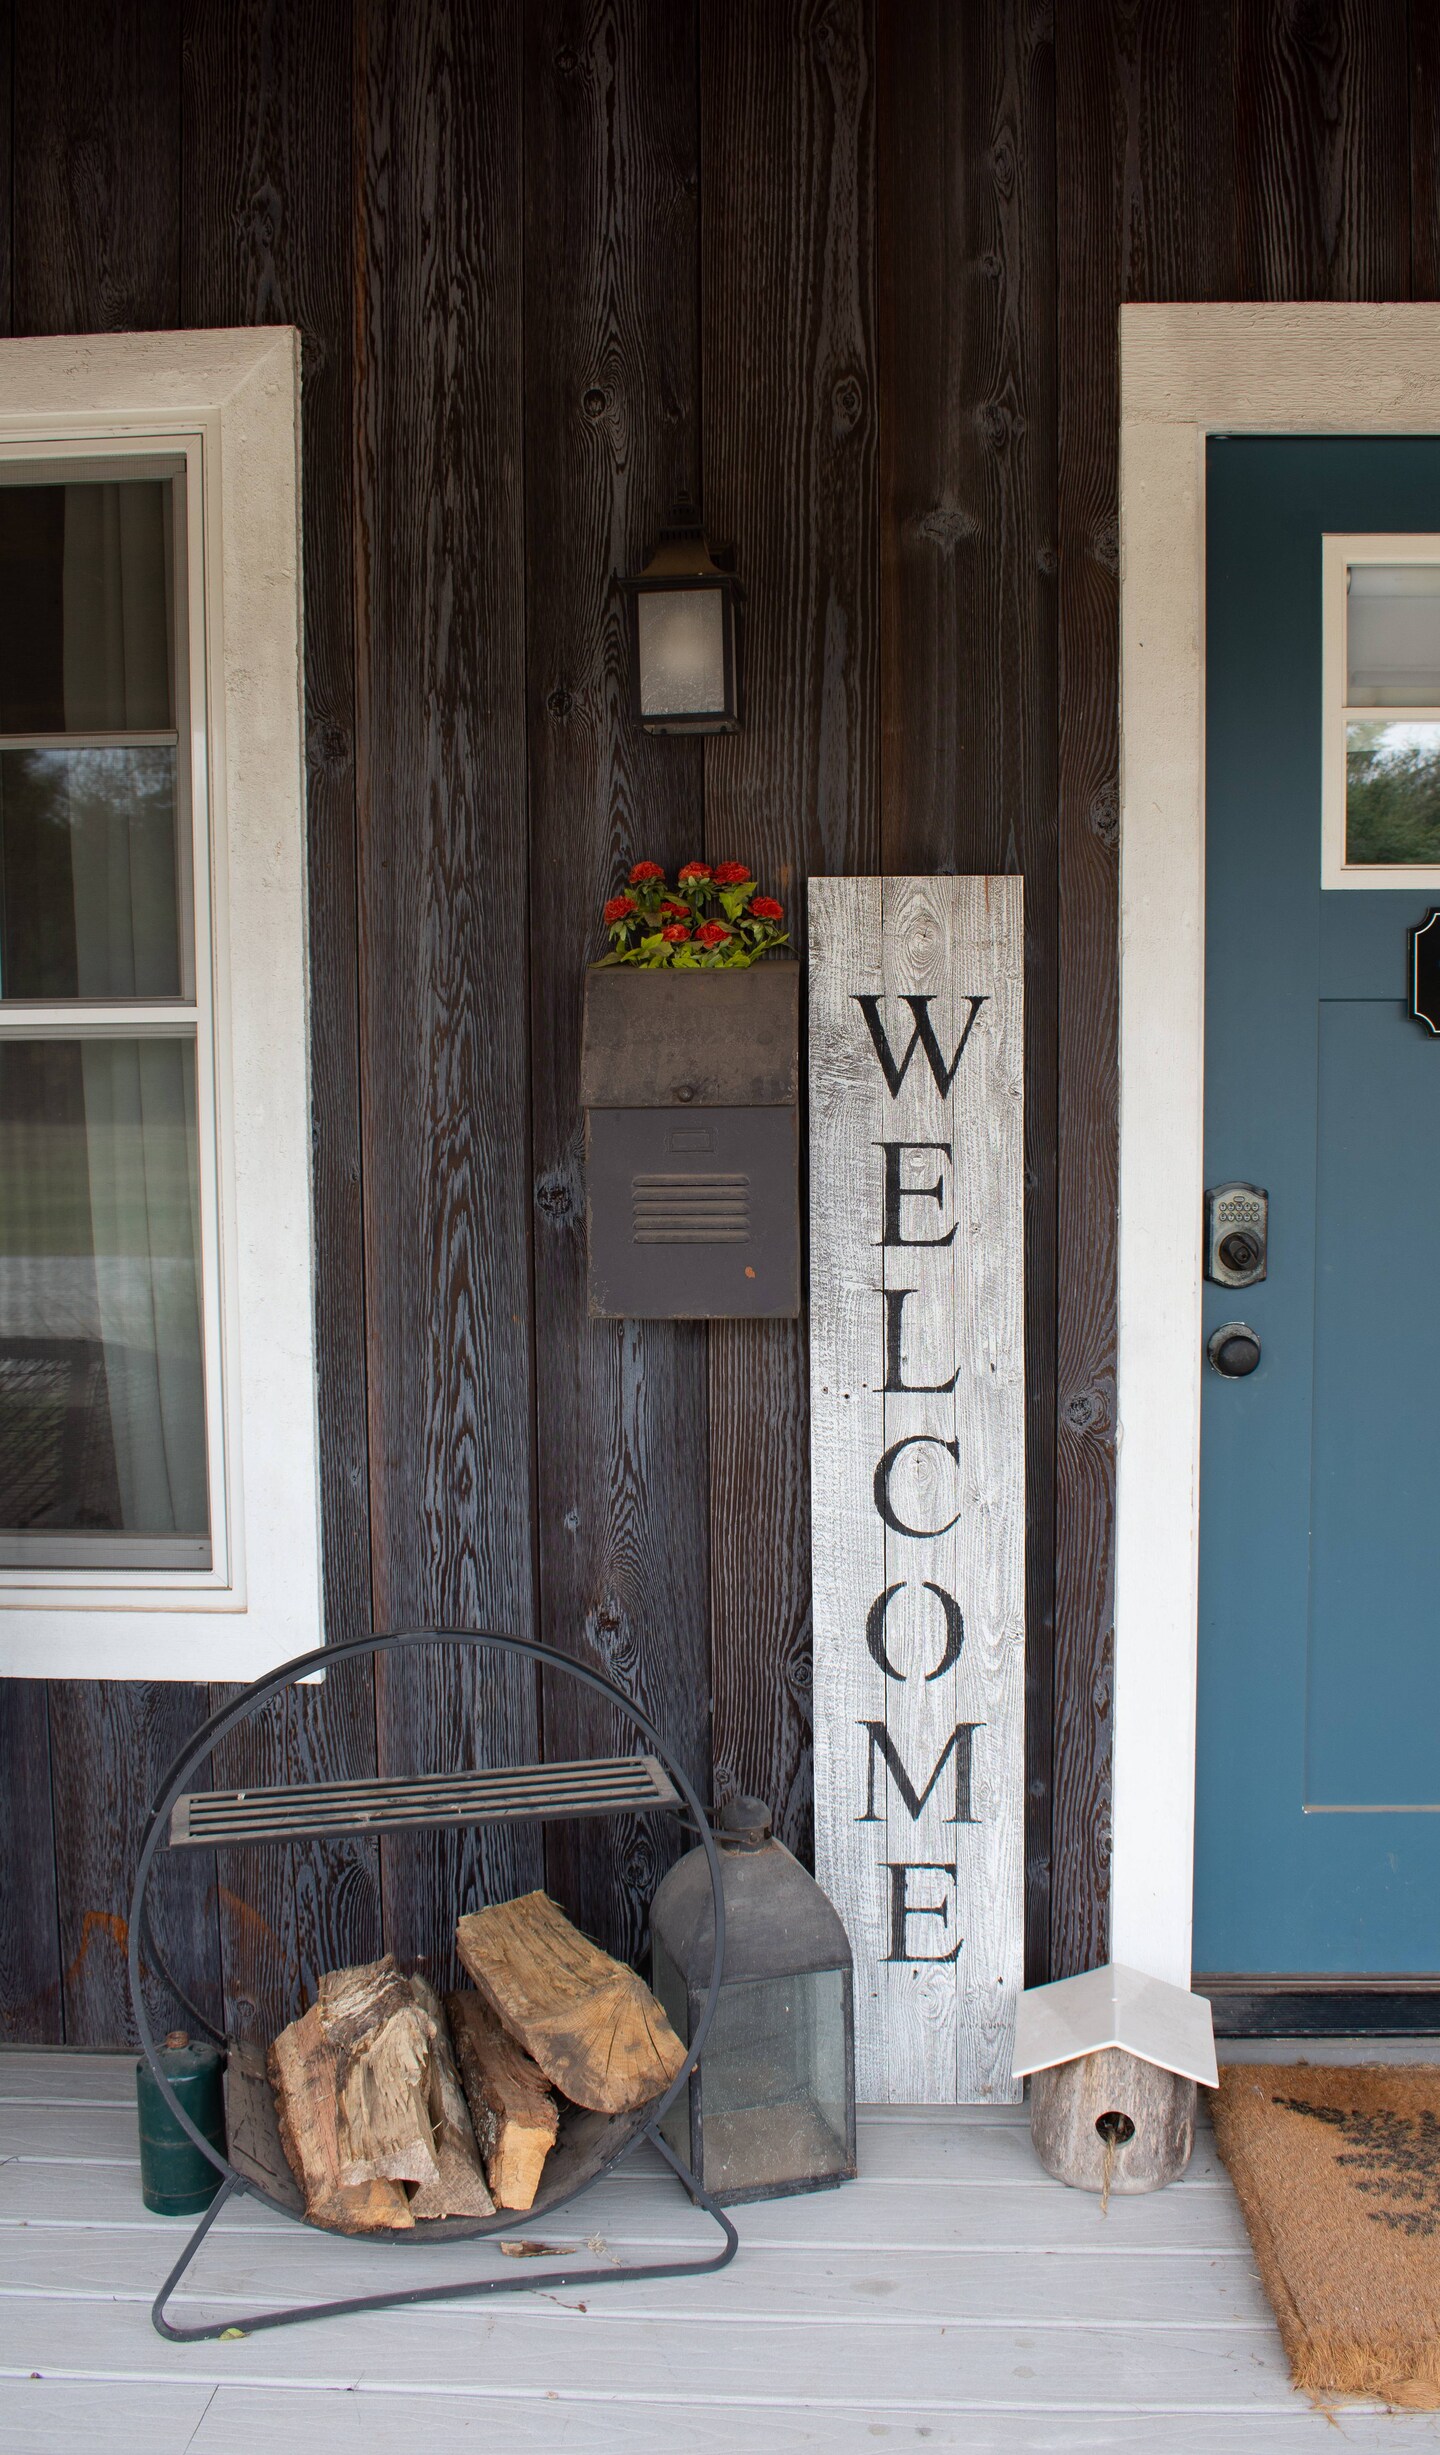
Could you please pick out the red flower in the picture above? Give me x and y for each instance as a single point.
(731, 874)
(694, 869)
(765, 908)
(675, 933)
(680, 911)
(714, 933)
(619, 908)
(644, 871)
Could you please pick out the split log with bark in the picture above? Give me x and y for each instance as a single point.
(459, 2188)
(304, 2073)
(515, 2116)
(369, 2102)
(590, 2023)
(383, 2040)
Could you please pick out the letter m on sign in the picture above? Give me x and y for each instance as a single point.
(956, 1750)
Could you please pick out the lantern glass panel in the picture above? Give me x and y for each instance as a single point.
(773, 2109)
(681, 640)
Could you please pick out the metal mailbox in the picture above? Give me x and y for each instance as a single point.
(690, 1084)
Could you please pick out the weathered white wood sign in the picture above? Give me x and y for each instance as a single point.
(918, 1457)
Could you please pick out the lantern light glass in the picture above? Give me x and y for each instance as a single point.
(770, 2109)
(684, 634)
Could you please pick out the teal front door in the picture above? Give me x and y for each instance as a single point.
(1318, 1751)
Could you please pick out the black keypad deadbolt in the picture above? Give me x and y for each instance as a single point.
(1237, 1234)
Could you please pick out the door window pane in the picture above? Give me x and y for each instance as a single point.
(102, 1401)
(1393, 635)
(89, 897)
(86, 614)
(1392, 793)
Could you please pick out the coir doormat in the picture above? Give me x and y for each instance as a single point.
(1338, 2173)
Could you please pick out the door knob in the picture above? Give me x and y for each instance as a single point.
(1234, 1350)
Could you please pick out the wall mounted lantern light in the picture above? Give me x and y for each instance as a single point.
(684, 634)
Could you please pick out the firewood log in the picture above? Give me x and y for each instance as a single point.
(459, 2189)
(304, 2068)
(383, 2040)
(593, 2027)
(515, 2116)
(252, 2130)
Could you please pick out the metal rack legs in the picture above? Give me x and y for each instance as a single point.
(235, 2188)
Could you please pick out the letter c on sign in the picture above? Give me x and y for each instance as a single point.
(914, 1440)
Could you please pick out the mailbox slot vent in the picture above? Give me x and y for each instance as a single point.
(690, 1209)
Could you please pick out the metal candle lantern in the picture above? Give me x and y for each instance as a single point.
(771, 2108)
(685, 634)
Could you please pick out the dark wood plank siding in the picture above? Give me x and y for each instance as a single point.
(111, 1744)
(440, 765)
(611, 438)
(968, 592)
(791, 416)
(1425, 153)
(1322, 148)
(852, 270)
(97, 165)
(31, 2008)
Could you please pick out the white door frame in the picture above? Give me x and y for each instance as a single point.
(1187, 373)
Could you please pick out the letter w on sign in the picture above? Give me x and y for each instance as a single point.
(923, 1036)
(918, 1430)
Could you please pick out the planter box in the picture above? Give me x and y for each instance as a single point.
(690, 1084)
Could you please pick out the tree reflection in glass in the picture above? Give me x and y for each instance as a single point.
(89, 906)
(1392, 793)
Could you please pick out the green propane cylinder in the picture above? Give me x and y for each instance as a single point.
(175, 2179)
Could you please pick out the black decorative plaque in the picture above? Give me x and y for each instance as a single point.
(1425, 971)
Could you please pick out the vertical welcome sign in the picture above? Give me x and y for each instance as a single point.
(918, 1467)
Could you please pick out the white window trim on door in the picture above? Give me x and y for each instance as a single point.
(229, 402)
(1187, 373)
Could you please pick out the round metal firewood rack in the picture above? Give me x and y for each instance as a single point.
(650, 1782)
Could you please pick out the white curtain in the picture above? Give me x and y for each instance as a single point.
(139, 1094)
(140, 1127)
(116, 647)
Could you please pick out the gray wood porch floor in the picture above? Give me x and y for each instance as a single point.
(953, 2297)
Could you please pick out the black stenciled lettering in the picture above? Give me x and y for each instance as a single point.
(958, 1748)
(903, 1909)
(895, 1383)
(922, 1037)
(954, 1631)
(886, 1467)
(896, 1193)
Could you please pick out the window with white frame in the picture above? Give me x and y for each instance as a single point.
(1381, 818)
(106, 1211)
(159, 1501)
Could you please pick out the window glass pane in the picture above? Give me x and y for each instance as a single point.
(102, 1399)
(1392, 793)
(682, 652)
(89, 903)
(85, 607)
(1393, 632)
